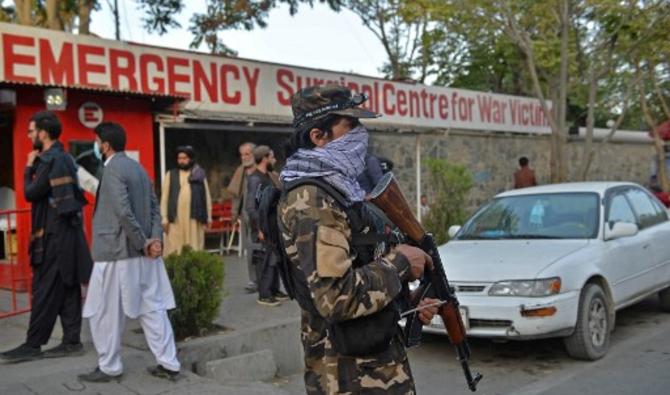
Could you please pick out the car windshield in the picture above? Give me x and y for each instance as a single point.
(542, 216)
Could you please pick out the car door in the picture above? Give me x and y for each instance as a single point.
(659, 233)
(648, 221)
(624, 256)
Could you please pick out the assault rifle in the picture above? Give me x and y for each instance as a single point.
(434, 284)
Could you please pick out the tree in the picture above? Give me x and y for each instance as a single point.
(7, 13)
(406, 31)
(53, 14)
(472, 56)
(573, 53)
(85, 9)
(449, 188)
(24, 12)
(541, 33)
(221, 15)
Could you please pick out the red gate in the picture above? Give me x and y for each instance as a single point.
(15, 273)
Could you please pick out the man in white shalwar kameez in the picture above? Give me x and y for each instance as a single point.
(129, 277)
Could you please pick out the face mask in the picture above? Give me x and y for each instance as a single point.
(270, 167)
(96, 151)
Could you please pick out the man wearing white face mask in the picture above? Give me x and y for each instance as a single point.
(129, 278)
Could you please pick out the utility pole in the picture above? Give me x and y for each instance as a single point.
(115, 10)
(116, 20)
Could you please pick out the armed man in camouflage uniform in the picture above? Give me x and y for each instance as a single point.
(332, 285)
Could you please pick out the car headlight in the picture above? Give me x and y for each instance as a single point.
(533, 288)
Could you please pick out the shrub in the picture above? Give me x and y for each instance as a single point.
(197, 282)
(450, 185)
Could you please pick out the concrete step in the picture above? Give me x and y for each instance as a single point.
(254, 366)
(280, 337)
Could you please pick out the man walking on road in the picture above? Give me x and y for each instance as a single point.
(59, 256)
(129, 277)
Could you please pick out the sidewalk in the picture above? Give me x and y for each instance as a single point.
(239, 314)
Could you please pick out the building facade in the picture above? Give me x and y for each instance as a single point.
(166, 97)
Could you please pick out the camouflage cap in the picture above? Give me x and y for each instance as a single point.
(316, 102)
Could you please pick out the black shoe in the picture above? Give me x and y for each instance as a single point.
(22, 353)
(65, 350)
(281, 296)
(98, 376)
(163, 373)
(272, 302)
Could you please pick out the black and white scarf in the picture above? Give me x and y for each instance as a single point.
(338, 163)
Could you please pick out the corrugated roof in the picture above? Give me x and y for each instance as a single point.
(94, 89)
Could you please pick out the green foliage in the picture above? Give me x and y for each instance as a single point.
(7, 13)
(219, 16)
(405, 30)
(159, 14)
(197, 282)
(450, 185)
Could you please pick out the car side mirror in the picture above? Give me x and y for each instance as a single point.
(619, 230)
(453, 229)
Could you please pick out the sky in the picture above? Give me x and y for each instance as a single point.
(315, 37)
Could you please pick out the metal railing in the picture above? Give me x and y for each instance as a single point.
(15, 271)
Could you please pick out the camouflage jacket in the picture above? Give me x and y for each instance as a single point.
(317, 240)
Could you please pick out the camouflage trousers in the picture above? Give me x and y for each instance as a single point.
(326, 372)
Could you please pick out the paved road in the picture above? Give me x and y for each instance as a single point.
(638, 362)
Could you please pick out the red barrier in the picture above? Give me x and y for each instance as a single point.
(15, 273)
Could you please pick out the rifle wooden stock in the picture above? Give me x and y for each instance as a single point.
(453, 322)
(389, 198)
(434, 284)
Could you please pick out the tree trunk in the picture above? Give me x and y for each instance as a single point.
(657, 90)
(85, 7)
(53, 18)
(526, 46)
(590, 123)
(662, 173)
(590, 155)
(24, 10)
(563, 93)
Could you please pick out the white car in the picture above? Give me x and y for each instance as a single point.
(559, 261)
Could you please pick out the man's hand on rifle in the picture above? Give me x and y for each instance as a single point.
(417, 258)
(428, 307)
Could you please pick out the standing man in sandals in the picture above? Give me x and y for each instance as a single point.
(129, 277)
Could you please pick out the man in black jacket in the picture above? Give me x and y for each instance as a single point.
(264, 258)
(59, 255)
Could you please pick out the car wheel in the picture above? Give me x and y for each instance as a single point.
(591, 337)
(664, 298)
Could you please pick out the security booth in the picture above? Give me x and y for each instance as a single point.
(83, 110)
(166, 97)
(33, 78)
